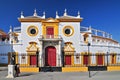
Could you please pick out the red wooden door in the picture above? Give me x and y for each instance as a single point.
(67, 60)
(100, 60)
(50, 32)
(33, 60)
(85, 60)
(50, 56)
(112, 59)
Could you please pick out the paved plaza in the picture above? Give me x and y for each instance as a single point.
(95, 75)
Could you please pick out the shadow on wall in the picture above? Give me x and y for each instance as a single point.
(5, 54)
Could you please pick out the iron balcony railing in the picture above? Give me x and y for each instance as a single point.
(80, 60)
(50, 37)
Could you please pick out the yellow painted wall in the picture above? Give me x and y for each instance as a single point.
(74, 69)
(69, 69)
(113, 68)
(72, 60)
(54, 25)
(29, 69)
(16, 57)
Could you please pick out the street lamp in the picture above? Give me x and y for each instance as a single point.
(108, 53)
(89, 57)
(11, 55)
(37, 55)
(107, 58)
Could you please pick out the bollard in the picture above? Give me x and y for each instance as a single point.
(11, 72)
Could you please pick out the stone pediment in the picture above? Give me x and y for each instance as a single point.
(69, 47)
(32, 47)
(50, 20)
(68, 17)
(33, 17)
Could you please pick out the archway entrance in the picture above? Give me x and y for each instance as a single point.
(50, 56)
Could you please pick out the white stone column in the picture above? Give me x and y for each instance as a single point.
(93, 59)
(59, 55)
(40, 54)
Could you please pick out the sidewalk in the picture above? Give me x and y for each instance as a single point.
(96, 75)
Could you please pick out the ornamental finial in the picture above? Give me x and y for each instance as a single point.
(65, 12)
(22, 14)
(35, 13)
(43, 15)
(78, 15)
(10, 29)
(57, 15)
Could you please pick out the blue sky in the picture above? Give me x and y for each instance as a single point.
(100, 14)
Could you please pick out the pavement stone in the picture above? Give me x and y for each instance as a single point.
(95, 75)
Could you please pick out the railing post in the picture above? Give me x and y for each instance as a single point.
(89, 57)
(107, 58)
(63, 60)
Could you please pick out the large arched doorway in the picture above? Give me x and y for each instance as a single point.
(50, 56)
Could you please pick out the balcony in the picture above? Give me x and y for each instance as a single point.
(50, 37)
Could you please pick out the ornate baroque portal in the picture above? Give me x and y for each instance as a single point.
(32, 51)
(69, 54)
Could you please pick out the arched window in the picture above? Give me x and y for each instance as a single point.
(85, 38)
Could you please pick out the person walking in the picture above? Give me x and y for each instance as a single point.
(17, 70)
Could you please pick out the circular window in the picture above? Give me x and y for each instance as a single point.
(68, 31)
(32, 31)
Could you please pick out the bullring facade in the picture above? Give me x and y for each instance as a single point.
(61, 42)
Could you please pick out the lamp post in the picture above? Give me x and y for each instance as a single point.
(89, 57)
(107, 58)
(11, 67)
(11, 55)
(37, 54)
(108, 53)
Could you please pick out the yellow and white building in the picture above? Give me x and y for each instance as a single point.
(61, 42)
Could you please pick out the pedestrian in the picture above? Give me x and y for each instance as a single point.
(17, 70)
